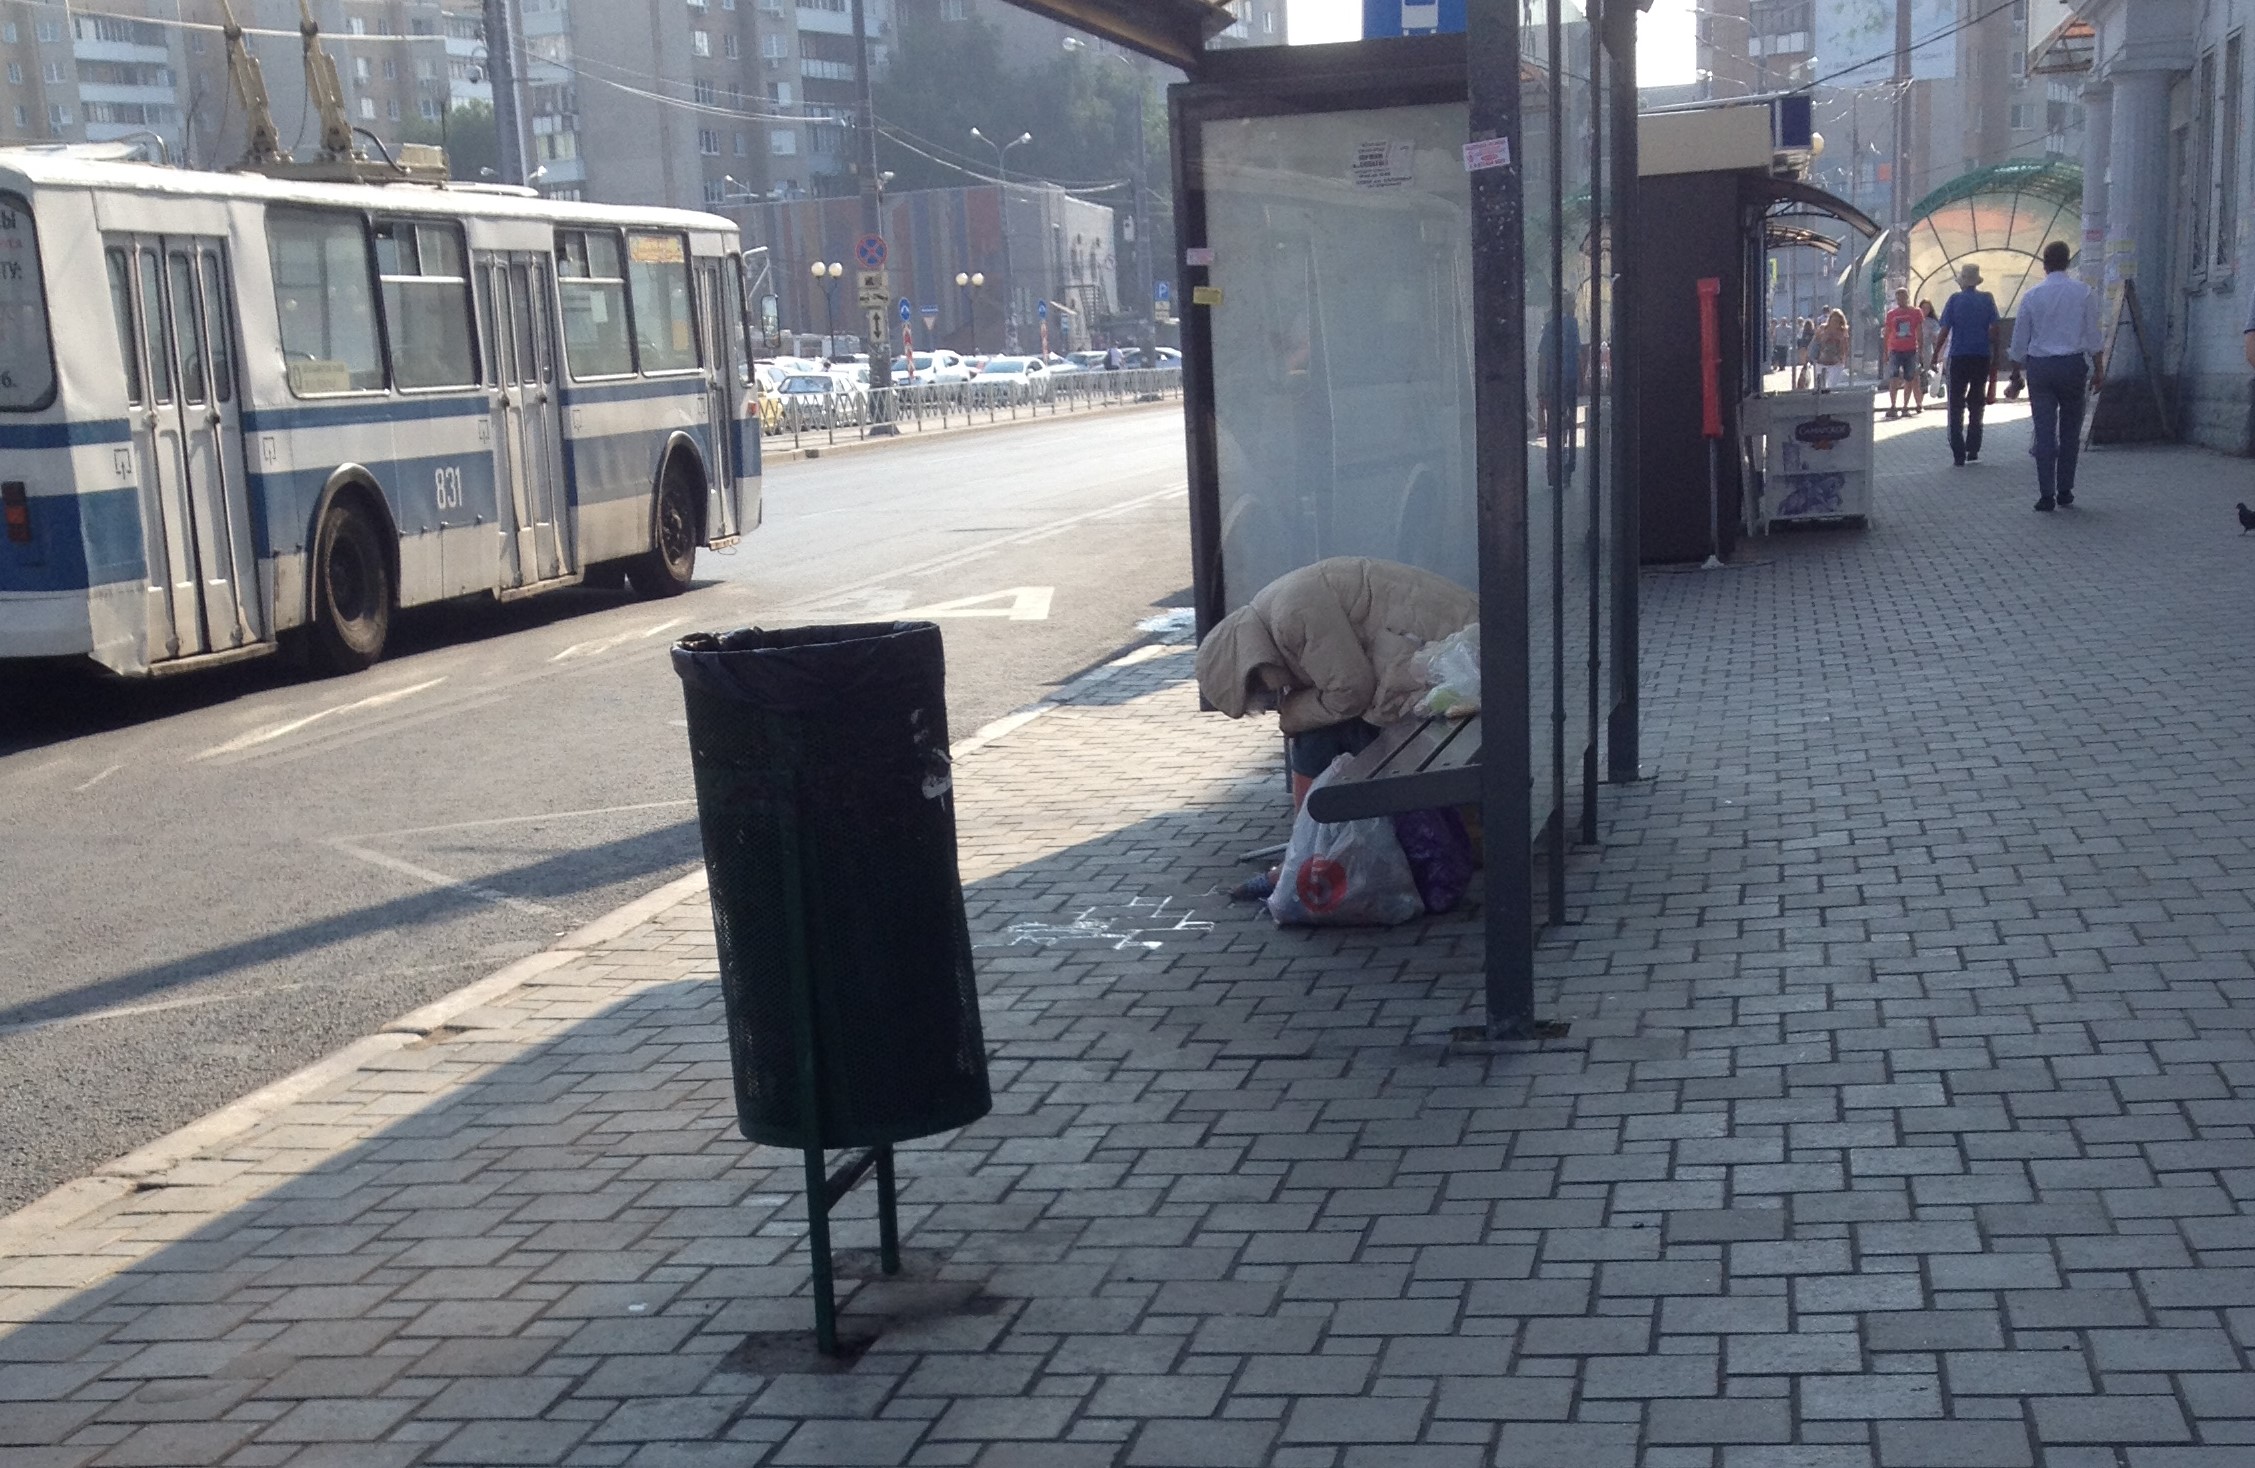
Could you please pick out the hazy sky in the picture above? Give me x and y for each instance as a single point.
(1664, 53)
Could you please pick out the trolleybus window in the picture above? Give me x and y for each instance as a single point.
(324, 300)
(665, 321)
(187, 328)
(121, 307)
(27, 367)
(222, 315)
(591, 288)
(152, 315)
(426, 303)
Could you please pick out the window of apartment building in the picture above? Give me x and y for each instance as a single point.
(708, 142)
(426, 70)
(357, 26)
(953, 10)
(58, 118)
(729, 48)
(779, 93)
(2023, 116)
(774, 47)
(716, 192)
(362, 69)
(391, 108)
(52, 71)
(15, 73)
(703, 92)
(739, 141)
(728, 4)
(8, 33)
(429, 109)
(701, 43)
(48, 32)
(368, 109)
(391, 70)
(783, 141)
(698, 4)
(2227, 173)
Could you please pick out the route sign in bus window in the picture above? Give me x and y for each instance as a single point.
(27, 367)
(325, 303)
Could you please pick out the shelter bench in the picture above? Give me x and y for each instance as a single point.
(1413, 765)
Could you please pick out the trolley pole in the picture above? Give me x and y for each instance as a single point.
(1899, 200)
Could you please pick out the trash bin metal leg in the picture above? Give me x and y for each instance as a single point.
(888, 1215)
(818, 1245)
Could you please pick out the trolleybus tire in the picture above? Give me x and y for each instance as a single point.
(352, 590)
(665, 569)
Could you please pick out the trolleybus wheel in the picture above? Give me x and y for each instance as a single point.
(352, 590)
(665, 569)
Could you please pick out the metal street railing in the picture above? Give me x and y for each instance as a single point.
(852, 413)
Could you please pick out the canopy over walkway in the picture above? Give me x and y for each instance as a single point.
(1999, 218)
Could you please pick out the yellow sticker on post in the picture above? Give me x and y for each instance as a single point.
(1205, 295)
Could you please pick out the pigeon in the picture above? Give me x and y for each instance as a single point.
(2246, 519)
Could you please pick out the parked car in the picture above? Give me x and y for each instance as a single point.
(1089, 361)
(810, 400)
(932, 367)
(1004, 379)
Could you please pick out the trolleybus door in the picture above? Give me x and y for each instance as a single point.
(721, 391)
(195, 507)
(516, 292)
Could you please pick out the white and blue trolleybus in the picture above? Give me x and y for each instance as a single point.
(235, 407)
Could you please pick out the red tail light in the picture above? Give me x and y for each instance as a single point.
(15, 507)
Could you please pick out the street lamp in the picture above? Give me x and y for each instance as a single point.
(966, 281)
(1009, 281)
(1138, 228)
(827, 274)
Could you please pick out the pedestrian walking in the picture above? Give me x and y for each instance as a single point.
(1828, 351)
(1804, 341)
(1963, 341)
(1899, 330)
(1929, 333)
(1781, 342)
(2056, 340)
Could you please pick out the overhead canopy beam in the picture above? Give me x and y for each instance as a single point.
(1173, 31)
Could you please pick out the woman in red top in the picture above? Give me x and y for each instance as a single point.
(1900, 330)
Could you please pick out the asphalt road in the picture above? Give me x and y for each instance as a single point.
(210, 881)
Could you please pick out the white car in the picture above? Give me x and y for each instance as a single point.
(932, 367)
(1007, 378)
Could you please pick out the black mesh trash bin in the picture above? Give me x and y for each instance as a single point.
(825, 795)
(821, 760)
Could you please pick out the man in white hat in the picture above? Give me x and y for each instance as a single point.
(1964, 340)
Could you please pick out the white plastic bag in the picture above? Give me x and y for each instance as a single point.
(1451, 670)
(1350, 873)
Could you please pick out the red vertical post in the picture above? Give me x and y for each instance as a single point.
(1710, 358)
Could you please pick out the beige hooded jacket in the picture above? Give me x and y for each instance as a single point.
(1331, 642)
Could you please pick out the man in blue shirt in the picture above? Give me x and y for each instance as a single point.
(1966, 319)
(2057, 336)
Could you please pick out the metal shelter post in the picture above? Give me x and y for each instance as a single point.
(1621, 725)
(1499, 356)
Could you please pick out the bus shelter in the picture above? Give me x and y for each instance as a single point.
(1400, 341)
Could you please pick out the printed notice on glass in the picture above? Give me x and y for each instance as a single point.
(1383, 165)
(26, 376)
(1487, 153)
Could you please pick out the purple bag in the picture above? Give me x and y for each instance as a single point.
(1440, 854)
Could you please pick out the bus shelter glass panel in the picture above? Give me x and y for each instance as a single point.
(1342, 357)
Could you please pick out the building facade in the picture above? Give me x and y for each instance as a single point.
(2165, 198)
(1059, 254)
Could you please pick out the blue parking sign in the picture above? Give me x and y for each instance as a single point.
(1411, 17)
(1162, 290)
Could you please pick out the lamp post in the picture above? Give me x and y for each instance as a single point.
(1009, 281)
(1138, 227)
(827, 273)
(965, 281)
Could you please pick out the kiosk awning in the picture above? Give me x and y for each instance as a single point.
(1807, 197)
(1173, 31)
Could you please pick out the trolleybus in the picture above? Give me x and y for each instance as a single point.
(236, 407)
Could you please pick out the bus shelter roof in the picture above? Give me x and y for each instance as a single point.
(1173, 31)
(1999, 218)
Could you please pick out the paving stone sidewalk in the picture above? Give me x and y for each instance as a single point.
(1903, 1120)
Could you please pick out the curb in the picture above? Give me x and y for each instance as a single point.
(857, 445)
(74, 1200)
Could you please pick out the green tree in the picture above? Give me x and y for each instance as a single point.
(467, 134)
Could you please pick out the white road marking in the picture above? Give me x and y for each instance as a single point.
(98, 779)
(272, 732)
(598, 645)
(127, 1011)
(441, 879)
(1018, 604)
(952, 559)
(561, 815)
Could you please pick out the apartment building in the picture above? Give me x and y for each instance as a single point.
(79, 78)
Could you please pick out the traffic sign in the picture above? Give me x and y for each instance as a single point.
(906, 311)
(930, 315)
(1041, 309)
(870, 251)
(872, 289)
(1162, 290)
